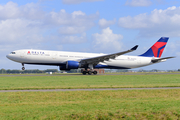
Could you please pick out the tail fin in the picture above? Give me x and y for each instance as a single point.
(157, 49)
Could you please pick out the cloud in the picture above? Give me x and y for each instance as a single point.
(74, 23)
(68, 23)
(157, 23)
(30, 11)
(69, 39)
(74, 39)
(137, 3)
(10, 10)
(28, 26)
(103, 23)
(19, 31)
(107, 41)
(78, 13)
(19, 26)
(68, 30)
(78, 1)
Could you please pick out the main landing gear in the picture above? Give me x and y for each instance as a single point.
(23, 68)
(89, 72)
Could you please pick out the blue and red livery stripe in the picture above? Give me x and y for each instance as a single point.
(157, 49)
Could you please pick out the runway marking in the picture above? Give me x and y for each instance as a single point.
(99, 89)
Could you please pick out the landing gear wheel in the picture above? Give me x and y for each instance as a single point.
(89, 72)
(84, 72)
(95, 72)
(23, 68)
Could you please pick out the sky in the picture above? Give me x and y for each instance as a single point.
(95, 26)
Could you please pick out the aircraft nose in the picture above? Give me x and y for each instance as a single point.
(8, 56)
(12, 57)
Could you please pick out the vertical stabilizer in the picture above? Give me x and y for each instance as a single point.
(157, 49)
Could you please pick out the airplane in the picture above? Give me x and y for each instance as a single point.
(90, 61)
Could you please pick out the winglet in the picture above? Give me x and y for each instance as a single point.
(134, 48)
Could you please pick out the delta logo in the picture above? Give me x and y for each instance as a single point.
(35, 52)
(28, 52)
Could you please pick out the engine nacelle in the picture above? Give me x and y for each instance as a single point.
(70, 65)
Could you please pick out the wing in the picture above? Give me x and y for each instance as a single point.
(160, 59)
(96, 60)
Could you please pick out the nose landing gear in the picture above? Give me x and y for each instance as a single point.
(23, 68)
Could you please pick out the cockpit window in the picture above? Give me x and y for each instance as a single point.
(13, 53)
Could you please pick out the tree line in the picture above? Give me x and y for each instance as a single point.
(3, 71)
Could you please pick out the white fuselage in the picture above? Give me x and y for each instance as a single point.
(45, 57)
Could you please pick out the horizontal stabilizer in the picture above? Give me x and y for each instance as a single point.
(159, 59)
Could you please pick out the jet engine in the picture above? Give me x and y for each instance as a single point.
(70, 65)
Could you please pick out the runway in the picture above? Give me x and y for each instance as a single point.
(99, 89)
(79, 74)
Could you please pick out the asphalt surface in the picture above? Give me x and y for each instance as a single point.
(63, 90)
(79, 74)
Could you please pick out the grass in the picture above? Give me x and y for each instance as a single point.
(96, 105)
(99, 81)
(101, 105)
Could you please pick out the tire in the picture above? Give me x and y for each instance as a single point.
(95, 72)
(23, 68)
(89, 72)
(84, 72)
